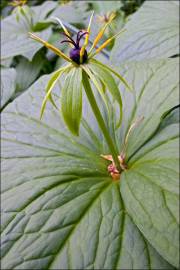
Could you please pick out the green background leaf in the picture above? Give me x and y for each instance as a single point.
(40, 13)
(104, 7)
(74, 12)
(8, 85)
(155, 85)
(28, 71)
(152, 32)
(150, 192)
(18, 31)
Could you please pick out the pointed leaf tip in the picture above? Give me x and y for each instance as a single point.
(120, 77)
(53, 80)
(111, 86)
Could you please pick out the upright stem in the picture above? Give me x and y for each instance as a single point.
(100, 120)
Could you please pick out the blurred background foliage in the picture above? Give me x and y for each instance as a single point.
(127, 6)
(26, 60)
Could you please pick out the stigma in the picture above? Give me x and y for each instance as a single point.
(75, 51)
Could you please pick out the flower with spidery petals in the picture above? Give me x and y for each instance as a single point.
(98, 73)
(81, 71)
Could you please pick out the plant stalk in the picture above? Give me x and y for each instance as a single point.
(100, 120)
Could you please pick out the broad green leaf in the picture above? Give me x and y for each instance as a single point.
(104, 7)
(155, 85)
(71, 100)
(150, 193)
(170, 117)
(41, 14)
(152, 32)
(8, 84)
(74, 12)
(152, 153)
(43, 11)
(167, 130)
(70, 214)
(13, 31)
(156, 89)
(41, 25)
(55, 77)
(6, 63)
(28, 71)
(110, 83)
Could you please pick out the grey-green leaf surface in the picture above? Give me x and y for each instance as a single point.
(170, 117)
(6, 63)
(151, 183)
(152, 32)
(105, 7)
(156, 90)
(18, 31)
(41, 12)
(106, 77)
(168, 129)
(150, 190)
(70, 214)
(28, 71)
(74, 12)
(8, 84)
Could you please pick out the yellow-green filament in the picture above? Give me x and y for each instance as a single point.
(50, 47)
(106, 43)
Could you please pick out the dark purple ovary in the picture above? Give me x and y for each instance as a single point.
(75, 55)
(75, 52)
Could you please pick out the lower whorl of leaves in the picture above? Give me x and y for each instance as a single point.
(47, 173)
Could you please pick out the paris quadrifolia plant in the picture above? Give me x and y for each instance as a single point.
(82, 70)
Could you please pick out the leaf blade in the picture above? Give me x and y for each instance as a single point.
(150, 194)
(147, 41)
(55, 77)
(109, 81)
(98, 87)
(114, 72)
(8, 84)
(71, 100)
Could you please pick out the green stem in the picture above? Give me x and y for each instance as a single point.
(100, 120)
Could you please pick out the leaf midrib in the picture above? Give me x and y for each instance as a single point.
(74, 228)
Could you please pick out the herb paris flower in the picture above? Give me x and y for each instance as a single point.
(82, 69)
